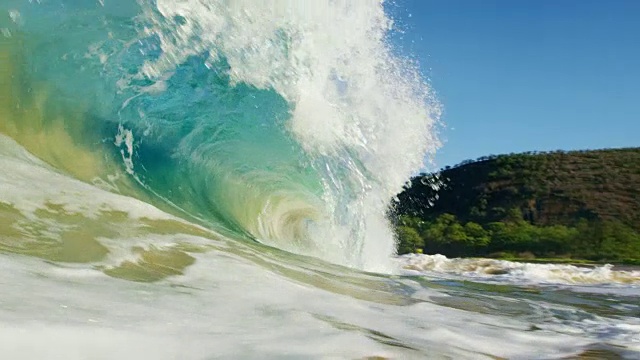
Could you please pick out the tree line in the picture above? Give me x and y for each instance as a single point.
(515, 237)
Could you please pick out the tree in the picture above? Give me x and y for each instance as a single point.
(409, 241)
(476, 234)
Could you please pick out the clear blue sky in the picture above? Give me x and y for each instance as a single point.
(523, 75)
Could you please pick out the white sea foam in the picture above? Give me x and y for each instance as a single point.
(244, 312)
(29, 184)
(518, 272)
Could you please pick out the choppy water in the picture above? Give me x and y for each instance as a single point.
(209, 179)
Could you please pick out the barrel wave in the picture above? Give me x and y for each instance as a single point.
(263, 121)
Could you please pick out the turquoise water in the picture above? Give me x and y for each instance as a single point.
(201, 179)
(255, 120)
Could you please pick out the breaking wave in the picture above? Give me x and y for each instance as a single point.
(260, 120)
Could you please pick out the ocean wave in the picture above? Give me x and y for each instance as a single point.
(519, 272)
(259, 119)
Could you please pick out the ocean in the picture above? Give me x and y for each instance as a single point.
(199, 179)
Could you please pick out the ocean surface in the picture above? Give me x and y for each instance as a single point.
(200, 179)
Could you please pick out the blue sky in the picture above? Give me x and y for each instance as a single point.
(527, 75)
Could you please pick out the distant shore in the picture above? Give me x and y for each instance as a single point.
(576, 207)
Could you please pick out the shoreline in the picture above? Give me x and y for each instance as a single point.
(574, 262)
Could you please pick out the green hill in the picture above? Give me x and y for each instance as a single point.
(580, 204)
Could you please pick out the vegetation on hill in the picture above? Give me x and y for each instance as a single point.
(580, 205)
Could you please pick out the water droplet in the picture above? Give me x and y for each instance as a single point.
(15, 16)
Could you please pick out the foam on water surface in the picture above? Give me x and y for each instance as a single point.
(521, 272)
(29, 184)
(249, 312)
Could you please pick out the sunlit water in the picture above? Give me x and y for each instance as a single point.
(209, 179)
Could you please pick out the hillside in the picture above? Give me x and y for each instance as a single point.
(594, 195)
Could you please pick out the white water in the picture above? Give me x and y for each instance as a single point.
(520, 273)
(29, 184)
(242, 312)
